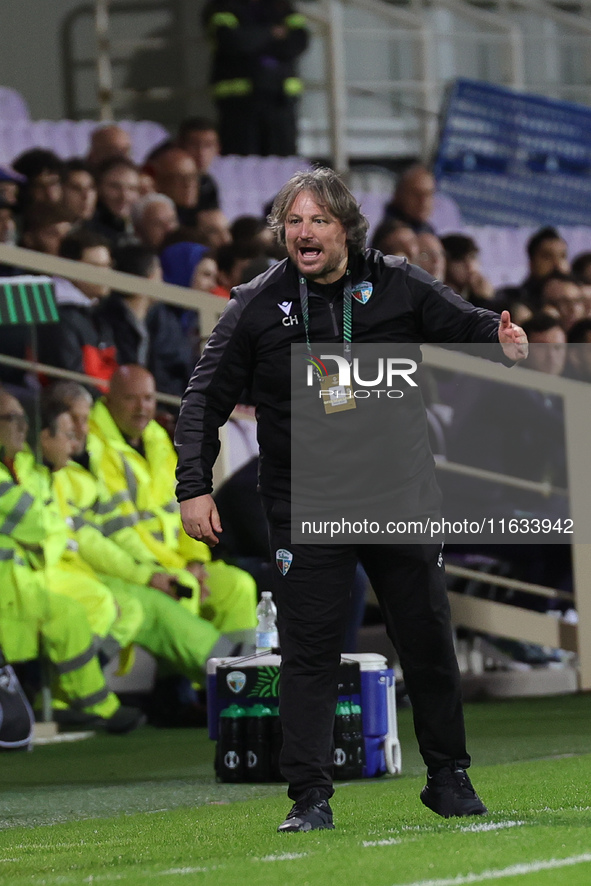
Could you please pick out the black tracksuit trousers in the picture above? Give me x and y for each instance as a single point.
(311, 598)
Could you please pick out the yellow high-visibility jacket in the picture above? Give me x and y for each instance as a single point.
(143, 485)
(29, 518)
(145, 491)
(33, 537)
(77, 494)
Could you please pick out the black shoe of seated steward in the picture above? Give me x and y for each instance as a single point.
(310, 813)
(125, 719)
(449, 793)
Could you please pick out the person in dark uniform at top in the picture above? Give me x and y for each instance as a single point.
(253, 77)
(348, 294)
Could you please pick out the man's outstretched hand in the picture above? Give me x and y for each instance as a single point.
(201, 519)
(512, 338)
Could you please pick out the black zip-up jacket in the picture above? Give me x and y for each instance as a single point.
(250, 348)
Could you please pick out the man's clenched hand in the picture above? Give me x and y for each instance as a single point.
(201, 519)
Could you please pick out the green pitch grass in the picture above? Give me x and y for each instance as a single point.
(144, 809)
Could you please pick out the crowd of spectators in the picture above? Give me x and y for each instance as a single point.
(160, 220)
(555, 287)
(494, 427)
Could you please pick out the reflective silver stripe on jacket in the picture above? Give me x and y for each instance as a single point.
(11, 554)
(110, 527)
(104, 507)
(87, 701)
(72, 664)
(109, 646)
(17, 513)
(130, 479)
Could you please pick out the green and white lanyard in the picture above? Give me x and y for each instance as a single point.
(347, 316)
(336, 397)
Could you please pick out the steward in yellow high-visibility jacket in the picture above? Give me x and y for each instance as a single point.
(183, 640)
(114, 623)
(30, 614)
(141, 480)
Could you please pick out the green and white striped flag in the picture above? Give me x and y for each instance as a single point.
(27, 300)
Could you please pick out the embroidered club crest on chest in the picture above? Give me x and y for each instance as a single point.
(284, 560)
(362, 292)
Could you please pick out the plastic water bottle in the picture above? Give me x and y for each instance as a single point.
(267, 637)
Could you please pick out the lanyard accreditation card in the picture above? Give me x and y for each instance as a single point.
(336, 397)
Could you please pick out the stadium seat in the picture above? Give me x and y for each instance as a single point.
(446, 217)
(247, 184)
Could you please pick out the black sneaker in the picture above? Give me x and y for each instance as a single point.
(310, 813)
(449, 793)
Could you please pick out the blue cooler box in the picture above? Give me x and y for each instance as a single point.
(255, 680)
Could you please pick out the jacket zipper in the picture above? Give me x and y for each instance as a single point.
(335, 325)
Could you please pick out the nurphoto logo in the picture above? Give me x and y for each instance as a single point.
(389, 370)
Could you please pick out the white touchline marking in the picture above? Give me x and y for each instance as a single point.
(92, 878)
(390, 842)
(74, 845)
(62, 737)
(286, 856)
(513, 871)
(490, 826)
(181, 871)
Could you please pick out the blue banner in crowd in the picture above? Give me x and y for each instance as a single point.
(508, 158)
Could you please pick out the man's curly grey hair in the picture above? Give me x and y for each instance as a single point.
(331, 194)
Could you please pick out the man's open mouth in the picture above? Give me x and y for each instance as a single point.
(310, 251)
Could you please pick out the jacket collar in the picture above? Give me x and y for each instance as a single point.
(103, 425)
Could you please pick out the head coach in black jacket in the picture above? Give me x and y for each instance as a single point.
(331, 289)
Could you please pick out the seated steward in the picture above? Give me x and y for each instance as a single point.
(29, 612)
(133, 455)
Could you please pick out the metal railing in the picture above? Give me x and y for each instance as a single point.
(209, 306)
(512, 621)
